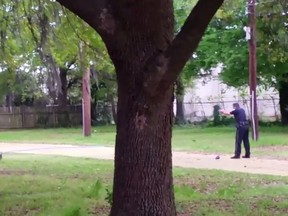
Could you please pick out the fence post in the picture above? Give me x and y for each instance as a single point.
(54, 117)
(22, 113)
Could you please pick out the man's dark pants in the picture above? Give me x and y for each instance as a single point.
(242, 134)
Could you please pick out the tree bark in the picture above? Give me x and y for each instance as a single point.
(283, 95)
(143, 183)
(180, 115)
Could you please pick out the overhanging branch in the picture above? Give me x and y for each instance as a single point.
(170, 64)
(96, 13)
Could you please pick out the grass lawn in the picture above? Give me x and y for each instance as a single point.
(100, 136)
(63, 186)
(214, 140)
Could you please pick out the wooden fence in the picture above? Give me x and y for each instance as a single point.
(35, 117)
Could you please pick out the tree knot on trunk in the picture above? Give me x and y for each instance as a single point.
(156, 72)
(107, 21)
(162, 64)
(140, 121)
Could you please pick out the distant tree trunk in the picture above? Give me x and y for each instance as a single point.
(51, 89)
(114, 108)
(180, 115)
(86, 102)
(63, 97)
(283, 95)
(8, 100)
(94, 101)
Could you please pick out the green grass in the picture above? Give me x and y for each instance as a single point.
(46, 185)
(221, 139)
(209, 139)
(52, 185)
(100, 136)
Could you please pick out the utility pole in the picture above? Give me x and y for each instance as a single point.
(253, 67)
(86, 102)
(86, 92)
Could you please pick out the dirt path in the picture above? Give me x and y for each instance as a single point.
(180, 159)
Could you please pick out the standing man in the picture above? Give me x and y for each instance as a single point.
(242, 130)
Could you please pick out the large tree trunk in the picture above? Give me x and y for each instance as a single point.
(283, 95)
(143, 183)
(139, 36)
(180, 115)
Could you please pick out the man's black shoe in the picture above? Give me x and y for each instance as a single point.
(246, 156)
(235, 157)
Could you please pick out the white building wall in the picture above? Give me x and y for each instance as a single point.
(209, 91)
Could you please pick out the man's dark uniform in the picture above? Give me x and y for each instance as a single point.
(242, 132)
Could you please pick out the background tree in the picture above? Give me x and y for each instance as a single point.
(16, 55)
(182, 10)
(46, 43)
(273, 38)
(195, 64)
(225, 43)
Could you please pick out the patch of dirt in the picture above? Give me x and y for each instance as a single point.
(199, 184)
(8, 172)
(205, 185)
(222, 205)
(269, 204)
(272, 152)
(273, 148)
(253, 204)
(100, 210)
(104, 177)
(20, 211)
(192, 208)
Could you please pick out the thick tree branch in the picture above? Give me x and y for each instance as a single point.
(96, 13)
(170, 63)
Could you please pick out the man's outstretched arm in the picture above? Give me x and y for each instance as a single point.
(224, 112)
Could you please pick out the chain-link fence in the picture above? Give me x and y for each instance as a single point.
(268, 109)
(104, 113)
